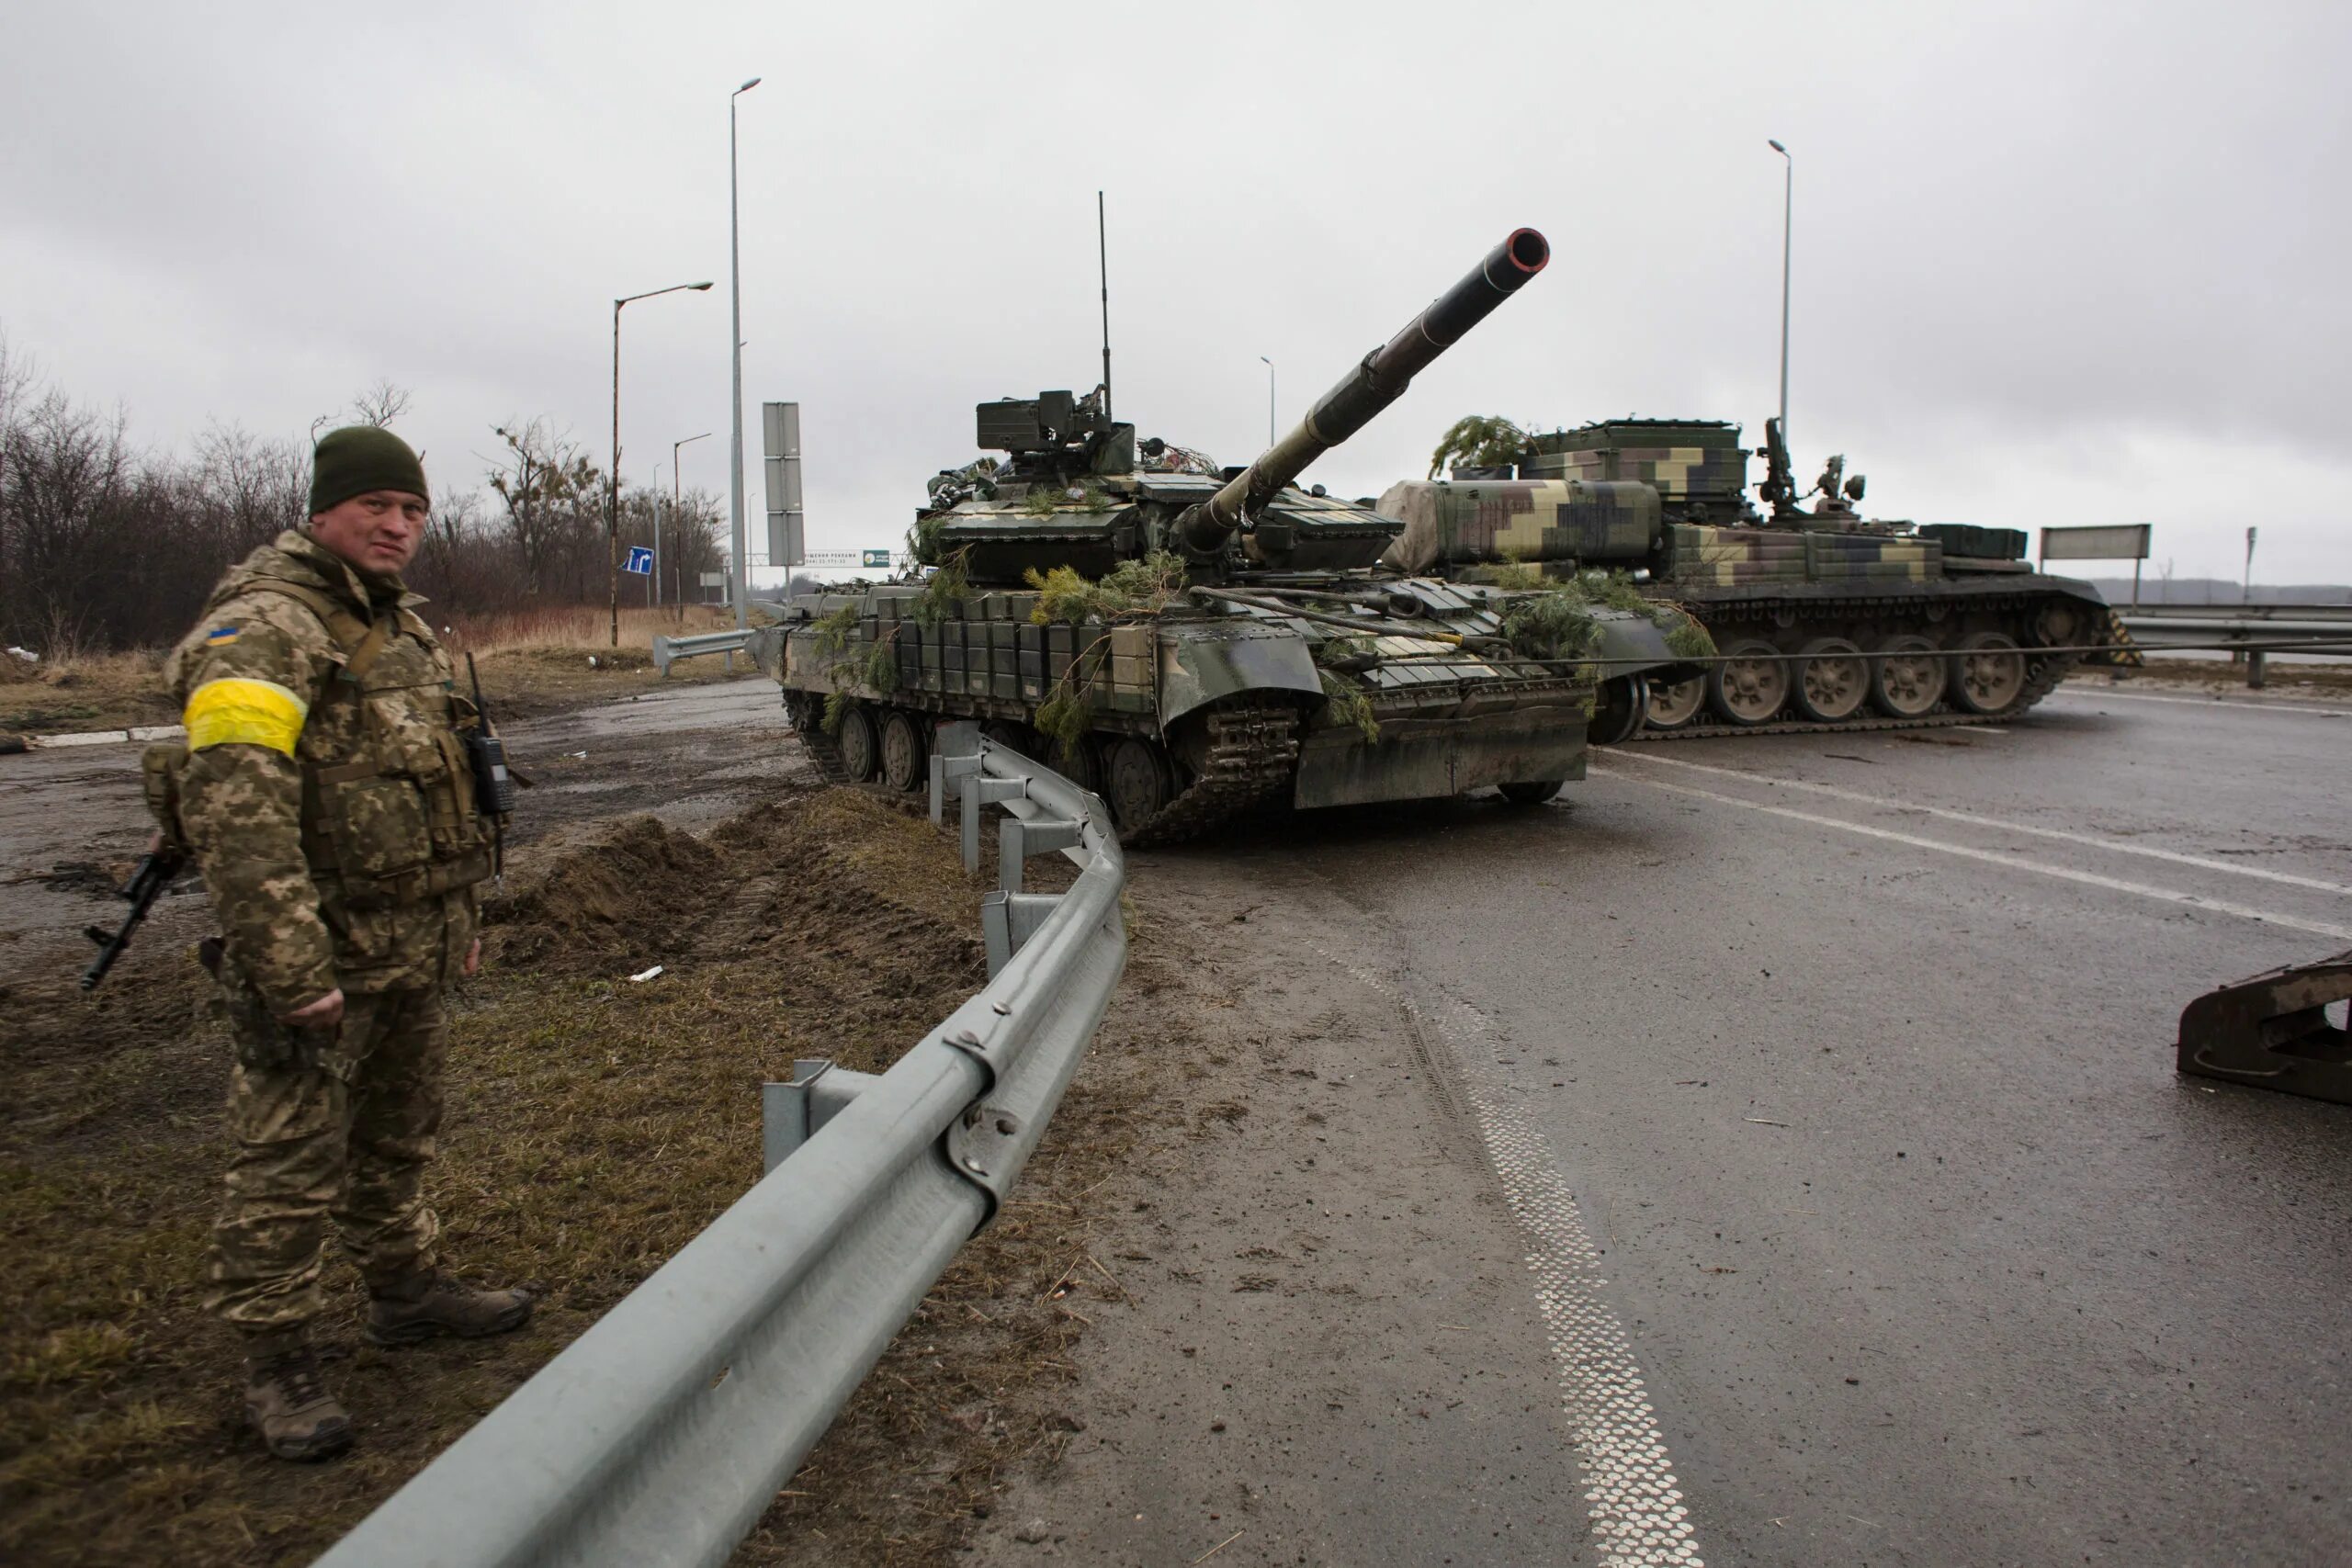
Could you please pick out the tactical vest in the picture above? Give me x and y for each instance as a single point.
(389, 806)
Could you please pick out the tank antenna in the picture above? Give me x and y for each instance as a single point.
(1102, 257)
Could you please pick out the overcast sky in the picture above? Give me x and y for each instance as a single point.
(2052, 263)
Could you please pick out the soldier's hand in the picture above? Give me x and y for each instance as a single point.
(325, 1013)
(473, 959)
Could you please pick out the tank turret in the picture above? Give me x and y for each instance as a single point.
(1077, 490)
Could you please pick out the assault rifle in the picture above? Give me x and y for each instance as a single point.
(157, 870)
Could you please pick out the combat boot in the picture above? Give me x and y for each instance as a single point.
(288, 1402)
(424, 1305)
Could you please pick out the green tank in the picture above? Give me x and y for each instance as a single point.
(1193, 642)
(1826, 620)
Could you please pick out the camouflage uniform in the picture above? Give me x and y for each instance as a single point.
(328, 799)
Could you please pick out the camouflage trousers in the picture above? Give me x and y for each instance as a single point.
(341, 1130)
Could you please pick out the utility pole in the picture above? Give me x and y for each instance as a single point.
(677, 493)
(1788, 225)
(735, 353)
(613, 502)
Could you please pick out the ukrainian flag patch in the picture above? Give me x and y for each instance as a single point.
(219, 637)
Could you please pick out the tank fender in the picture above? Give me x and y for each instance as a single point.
(1626, 636)
(1199, 664)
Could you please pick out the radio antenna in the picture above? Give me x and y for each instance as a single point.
(1102, 256)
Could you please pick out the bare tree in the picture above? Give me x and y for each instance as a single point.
(549, 487)
(381, 403)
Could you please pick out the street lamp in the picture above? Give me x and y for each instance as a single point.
(613, 504)
(1788, 216)
(735, 349)
(1270, 398)
(677, 501)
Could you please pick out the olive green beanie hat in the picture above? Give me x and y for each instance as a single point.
(359, 458)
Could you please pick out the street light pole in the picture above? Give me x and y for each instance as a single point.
(677, 495)
(1270, 398)
(735, 351)
(612, 502)
(1788, 220)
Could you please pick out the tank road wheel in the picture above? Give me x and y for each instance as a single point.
(1833, 682)
(1533, 794)
(1618, 712)
(1987, 674)
(903, 751)
(1675, 707)
(1908, 677)
(857, 742)
(1137, 782)
(1748, 687)
(2058, 624)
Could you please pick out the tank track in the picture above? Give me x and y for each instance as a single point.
(2042, 676)
(1253, 749)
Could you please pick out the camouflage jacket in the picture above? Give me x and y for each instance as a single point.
(324, 789)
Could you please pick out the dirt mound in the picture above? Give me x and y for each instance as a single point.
(635, 891)
(838, 875)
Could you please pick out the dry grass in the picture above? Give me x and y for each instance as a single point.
(83, 691)
(595, 1127)
(531, 660)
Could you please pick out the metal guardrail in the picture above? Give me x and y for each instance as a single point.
(2247, 631)
(667, 651)
(2337, 617)
(660, 1434)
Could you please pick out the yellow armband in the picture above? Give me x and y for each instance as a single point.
(246, 713)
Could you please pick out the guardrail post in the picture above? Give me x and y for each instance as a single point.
(2256, 668)
(1016, 841)
(790, 1113)
(979, 791)
(1009, 919)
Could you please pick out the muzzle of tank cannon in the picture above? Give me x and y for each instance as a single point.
(1371, 386)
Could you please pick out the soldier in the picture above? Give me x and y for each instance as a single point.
(326, 793)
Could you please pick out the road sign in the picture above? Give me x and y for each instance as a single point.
(2122, 541)
(641, 560)
(843, 560)
(714, 580)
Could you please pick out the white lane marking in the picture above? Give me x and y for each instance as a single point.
(1637, 1516)
(2014, 863)
(2236, 704)
(2090, 840)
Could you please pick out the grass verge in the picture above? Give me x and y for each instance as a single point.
(596, 1125)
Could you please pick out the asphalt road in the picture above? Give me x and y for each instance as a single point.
(1831, 1081)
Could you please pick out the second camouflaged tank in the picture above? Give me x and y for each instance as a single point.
(1193, 642)
(1826, 620)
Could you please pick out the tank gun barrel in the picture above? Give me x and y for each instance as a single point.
(1380, 379)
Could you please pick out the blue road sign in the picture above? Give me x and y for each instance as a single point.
(640, 561)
